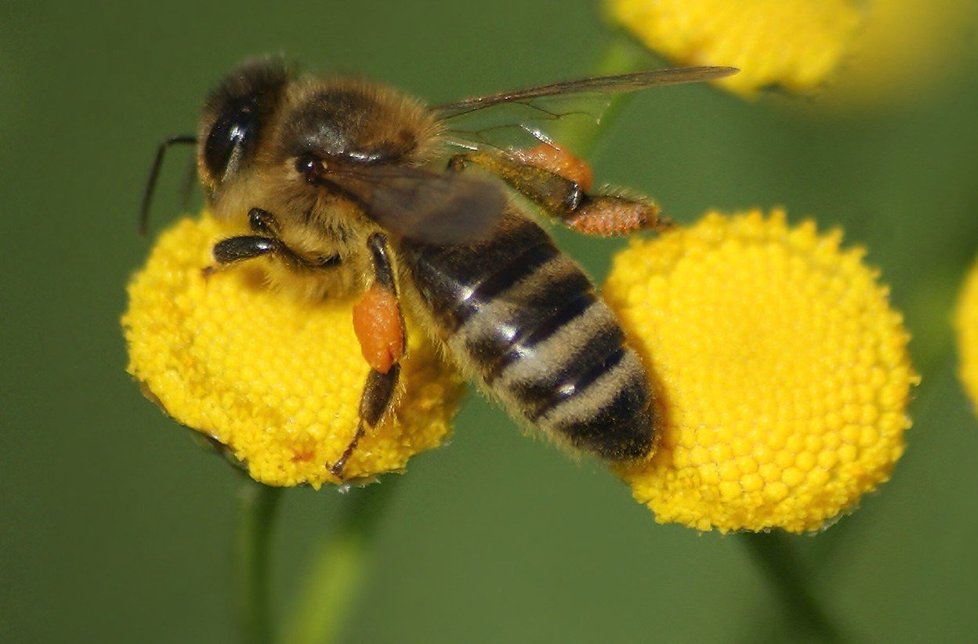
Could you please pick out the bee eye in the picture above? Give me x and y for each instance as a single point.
(233, 137)
(235, 115)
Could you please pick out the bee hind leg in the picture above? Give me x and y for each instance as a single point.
(559, 183)
(378, 393)
(379, 326)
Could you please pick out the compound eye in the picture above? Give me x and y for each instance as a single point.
(232, 138)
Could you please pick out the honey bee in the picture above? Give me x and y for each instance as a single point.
(350, 186)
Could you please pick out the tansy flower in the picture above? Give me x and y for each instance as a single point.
(275, 378)
(781, 372)
(795, 44)
(865, 51)
(966, 323)
(903, 51)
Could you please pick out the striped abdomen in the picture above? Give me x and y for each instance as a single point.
(528, 321)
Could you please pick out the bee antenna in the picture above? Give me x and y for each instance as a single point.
(154, 174)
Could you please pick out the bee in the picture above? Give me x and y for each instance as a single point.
(351, 186)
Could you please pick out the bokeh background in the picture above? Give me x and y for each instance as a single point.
(115, 527)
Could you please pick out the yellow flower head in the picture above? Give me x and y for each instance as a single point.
(795, 44)
(903, 51)
(781, 372)
(966, 322)
(277, 379)
(868, 51)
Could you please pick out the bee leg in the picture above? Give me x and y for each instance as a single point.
(236, 249)
(377, 318)
(262, 222)
(379, 327)
(558, 182)
(378, 392)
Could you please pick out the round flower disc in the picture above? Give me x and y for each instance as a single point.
(275, 378)
(781, 373)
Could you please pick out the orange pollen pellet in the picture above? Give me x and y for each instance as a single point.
(559, 161)
(378, 326)
(606, 217)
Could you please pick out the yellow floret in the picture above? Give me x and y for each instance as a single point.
(795, 44)
(966, 323)
(781, 372)
(275, 378)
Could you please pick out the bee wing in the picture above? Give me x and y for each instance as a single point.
(434, 207)
(501, 119)
(595, 84)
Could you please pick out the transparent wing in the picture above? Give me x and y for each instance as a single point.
(453, 208)
(513, 118)
(434, 207)
(596, 84)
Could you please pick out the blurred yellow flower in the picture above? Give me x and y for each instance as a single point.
(905, 49)
(966, 323)
(795, 44)
(864, 51)
(781, 371)
(277, 379)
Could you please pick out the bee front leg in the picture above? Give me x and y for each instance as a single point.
(559, 183)
(379, 326)
(266, 242)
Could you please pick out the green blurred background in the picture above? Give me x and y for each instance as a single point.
(115, 527)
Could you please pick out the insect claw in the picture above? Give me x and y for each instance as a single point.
(336, 469)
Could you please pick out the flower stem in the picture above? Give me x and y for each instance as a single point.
(256, 510)
(338, 570)
(784, 571)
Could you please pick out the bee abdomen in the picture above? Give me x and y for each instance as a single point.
(567, 369)
(527, 320)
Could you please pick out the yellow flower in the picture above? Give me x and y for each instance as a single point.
(966, 322)
(795, 44)
(781, 371)
(275, 378)
(866, 51)
(904, 51)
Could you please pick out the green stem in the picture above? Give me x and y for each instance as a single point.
(784, 571)
(256, 511)
(336, 575)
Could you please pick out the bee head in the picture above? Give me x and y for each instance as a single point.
(235, 117)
